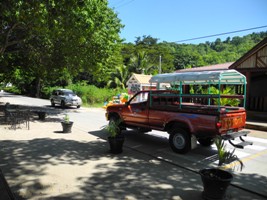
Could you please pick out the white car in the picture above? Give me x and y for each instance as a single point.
(65, 97)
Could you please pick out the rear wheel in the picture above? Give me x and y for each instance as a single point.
(179, 140)
(52, 103)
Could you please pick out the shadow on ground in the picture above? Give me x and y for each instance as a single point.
(129, 175)
(124, 176)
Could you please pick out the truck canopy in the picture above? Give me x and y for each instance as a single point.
(176, 82)
(206, 77)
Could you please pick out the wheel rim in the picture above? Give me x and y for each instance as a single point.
(179, 141)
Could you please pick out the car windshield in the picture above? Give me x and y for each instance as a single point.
(69, 93)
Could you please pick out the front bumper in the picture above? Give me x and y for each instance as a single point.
(73, 103)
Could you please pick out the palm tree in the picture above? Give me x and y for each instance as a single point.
(119, 77)
(140, 62)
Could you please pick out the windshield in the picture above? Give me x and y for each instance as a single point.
(69, 93)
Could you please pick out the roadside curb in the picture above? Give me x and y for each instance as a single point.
(256, 127)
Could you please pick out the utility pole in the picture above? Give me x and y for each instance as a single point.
(160, 64)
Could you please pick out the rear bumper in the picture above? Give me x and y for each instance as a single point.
(232, 136)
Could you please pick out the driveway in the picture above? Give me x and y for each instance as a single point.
(44, 163)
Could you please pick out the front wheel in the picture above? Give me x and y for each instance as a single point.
(62, 104)
(179, 140)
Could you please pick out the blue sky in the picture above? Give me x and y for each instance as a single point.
(175, 20)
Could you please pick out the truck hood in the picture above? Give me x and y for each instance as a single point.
(115, 107)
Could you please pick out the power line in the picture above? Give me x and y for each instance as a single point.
(115, 4)
(202, 37)
(121, 3)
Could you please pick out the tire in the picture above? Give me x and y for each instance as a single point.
(179, 140)
(78, 106)
(206, 142)
(62, 103)
(52, 103)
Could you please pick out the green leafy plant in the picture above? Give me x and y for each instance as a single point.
(66, 118)
(113, 128)
(225, 101)
(226, 156)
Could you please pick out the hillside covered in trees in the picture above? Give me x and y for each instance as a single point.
(58, 43)
(147, 56)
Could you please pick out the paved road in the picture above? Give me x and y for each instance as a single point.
(155, 144)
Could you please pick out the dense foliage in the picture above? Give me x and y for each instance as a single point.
(49, 43)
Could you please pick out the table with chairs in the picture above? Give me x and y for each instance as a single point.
(17, 116)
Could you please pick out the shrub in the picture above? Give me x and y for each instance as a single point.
(12, 89)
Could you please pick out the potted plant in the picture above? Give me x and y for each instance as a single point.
(66, 124)
(216, 180)
(115, 137)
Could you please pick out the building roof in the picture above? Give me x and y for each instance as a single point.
(223, 66)
(247, 55)
(139, 79)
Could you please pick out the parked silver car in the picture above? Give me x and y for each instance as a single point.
(65, 97)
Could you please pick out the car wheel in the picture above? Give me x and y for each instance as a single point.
(206, 142)
(62, 104)
(52, 103)
(78, 106)
(179, 140)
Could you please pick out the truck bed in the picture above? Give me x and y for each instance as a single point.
(195, 108)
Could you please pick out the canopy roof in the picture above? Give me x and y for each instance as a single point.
(204, 77)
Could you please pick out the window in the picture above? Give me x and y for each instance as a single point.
(141, 97)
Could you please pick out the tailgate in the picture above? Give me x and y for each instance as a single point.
(232, 122)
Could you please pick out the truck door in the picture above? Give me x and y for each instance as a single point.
(137, 110)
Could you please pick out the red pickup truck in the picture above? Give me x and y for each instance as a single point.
(186, 117)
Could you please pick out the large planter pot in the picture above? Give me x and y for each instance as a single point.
(116, 144)
(66, 127)
(215, 183)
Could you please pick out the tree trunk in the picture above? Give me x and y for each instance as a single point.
(38, 87)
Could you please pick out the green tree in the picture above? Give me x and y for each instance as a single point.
(58, 38)
(119, 77)
(146, 40)
(140, 62)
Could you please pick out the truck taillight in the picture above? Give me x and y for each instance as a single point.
(219, 124)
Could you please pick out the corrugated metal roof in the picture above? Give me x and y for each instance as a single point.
(223, 66)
